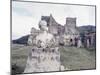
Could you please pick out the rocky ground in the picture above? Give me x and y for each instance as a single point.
(71, 57)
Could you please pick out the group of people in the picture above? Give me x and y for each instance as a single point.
(76, 42)
(86, 41)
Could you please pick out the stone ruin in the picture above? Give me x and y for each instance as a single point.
(45, 54)
(63, 33)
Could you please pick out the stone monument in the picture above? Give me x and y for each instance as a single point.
(45, 54)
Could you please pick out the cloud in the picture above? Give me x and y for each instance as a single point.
(21, 11)
(21, 25)
(28, 14)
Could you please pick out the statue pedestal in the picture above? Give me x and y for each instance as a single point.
(43, 60)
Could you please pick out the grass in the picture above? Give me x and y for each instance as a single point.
(77, 58)
(19, 56)
(71, 57)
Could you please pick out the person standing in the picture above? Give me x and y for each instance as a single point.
(79, 43)
(88, 44)
(76, 40)
(71, 42)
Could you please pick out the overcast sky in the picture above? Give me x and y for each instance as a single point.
(26, 15)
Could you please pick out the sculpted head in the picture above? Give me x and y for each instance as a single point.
(43, 25)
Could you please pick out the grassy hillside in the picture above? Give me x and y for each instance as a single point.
(71, 57)
(77, 58)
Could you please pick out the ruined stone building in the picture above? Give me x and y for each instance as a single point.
(45, 55)
(66, 32)
(58, 29)
(34, 32)
(62, 32)
(51, 23)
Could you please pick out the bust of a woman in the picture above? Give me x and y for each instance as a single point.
(44, 39)
(45, 56)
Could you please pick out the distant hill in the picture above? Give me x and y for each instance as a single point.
(22, 40)
(88, 28)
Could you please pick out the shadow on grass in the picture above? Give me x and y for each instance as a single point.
(17, 69)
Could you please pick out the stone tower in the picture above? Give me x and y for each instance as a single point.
(71, 22)
(70, 26)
